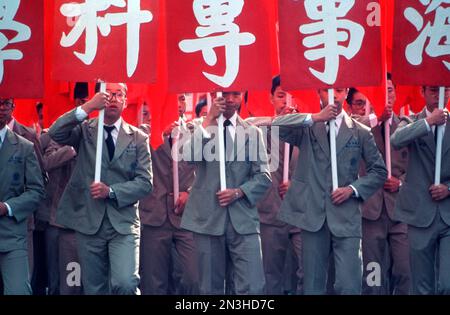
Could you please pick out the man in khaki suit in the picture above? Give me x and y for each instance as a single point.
(277, 237)
(105, 214)
(425, 207)
(229, 218)
(385, 240)
(330, 220)
(21, 190)
(161, 219)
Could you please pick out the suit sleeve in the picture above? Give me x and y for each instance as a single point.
(56, 156)
(66, 130)
(25, 204)
(407, 132)
(129, 192)
(291, 126)
(376, 169)
(260, 179)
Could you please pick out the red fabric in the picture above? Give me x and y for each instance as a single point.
(23, 78)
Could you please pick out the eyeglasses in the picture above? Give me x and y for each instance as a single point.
(118, 95)
(6, 103)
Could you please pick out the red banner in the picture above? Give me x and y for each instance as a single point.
(421, 43)
(330, 43)
(218, 45)
(22, 49)
(99, 40)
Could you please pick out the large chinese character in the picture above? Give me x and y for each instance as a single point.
(437, 32)
(217, 17)
(329, 30)
(89, 21)
(8, 11)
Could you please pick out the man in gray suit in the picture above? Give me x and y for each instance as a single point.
(277, 237)
(228, 218)
(105, 214)
(21, 191)
(330, 220)
(425, 207)
(385, 240)
(161, 219)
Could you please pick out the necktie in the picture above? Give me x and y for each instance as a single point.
(226, 123)
(110, 141)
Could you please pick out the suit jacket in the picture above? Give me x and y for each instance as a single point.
(269, 205)
(372, 207)
(414, 204)
(21, 187)
(203, 214)
(307, 203)
(129, 174)
(156, 207)
(59, 162)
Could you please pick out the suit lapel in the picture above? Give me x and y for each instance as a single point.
(8, 147)
(344, 134)
(320, 134)
(240, 123)
(123, 140)
(429, 138)
(446, 140)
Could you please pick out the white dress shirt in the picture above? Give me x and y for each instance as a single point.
(81, 115)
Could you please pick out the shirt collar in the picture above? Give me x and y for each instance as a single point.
(3, 133)
(233, 119)
(117, 124)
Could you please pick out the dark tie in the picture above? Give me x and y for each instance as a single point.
(226, 123)
(110, 141)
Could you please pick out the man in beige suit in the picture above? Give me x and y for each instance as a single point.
(277, 237)
(330, 220)
(161, 218)
(228, 218)
(105, 214)
(385, 240)
(424, 206)
(21, 190)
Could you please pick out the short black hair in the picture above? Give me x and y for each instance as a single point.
(199, 106)
(389, 76)
(351, 93)
(276, 82)
(81, 90)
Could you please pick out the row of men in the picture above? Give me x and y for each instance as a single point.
(245, 233)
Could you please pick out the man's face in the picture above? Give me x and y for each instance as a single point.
(181, 104)
(6, 110)
(431, 96)
(233, 101)
(146, 116)
(358, 105)
(339, 96)
(279, 100)
(392, 96)
(204, 111)
(117, 101)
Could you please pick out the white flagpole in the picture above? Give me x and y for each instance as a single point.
(387, 144)
(440, 134)
(223, 181)
(100, 139)
(176, 182)
(332, 126)
(287, 147)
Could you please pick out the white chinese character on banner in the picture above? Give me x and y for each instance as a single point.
(437, 32)
(8, 11)
(326, 34)
(88, 22)
(217, 17)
